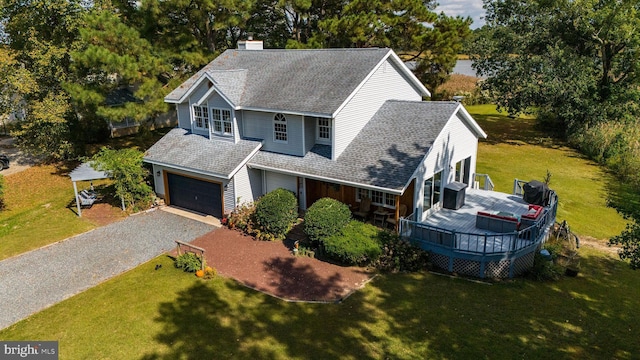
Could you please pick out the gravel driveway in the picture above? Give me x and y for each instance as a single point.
(40, 278)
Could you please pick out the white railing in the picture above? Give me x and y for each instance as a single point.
(483, 182)
(518, 186)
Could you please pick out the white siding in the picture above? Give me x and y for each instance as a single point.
(217, 101)
(184, 116)
(260, 125)
(247, 185)
(195, 96)
(310, 124)
(456, 142)
(277, 180)
(229, 202)
(387, 83)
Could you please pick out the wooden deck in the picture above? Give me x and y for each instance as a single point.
(464, 219)
(463, 222)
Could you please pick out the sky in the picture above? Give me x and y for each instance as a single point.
(471, 8)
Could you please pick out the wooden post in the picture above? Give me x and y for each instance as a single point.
(397, 214)
(75, 191)
(201, 250)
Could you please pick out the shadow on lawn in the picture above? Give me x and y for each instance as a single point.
(412, 316)
(241, 323)
(502, 129)
(570, 318)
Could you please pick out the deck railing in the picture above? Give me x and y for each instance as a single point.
(483, 182)
(480, 247)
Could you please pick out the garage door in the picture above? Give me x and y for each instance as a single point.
(193, 194)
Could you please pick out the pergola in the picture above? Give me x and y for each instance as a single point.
(85, 172)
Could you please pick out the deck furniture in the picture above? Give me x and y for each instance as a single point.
(363, 210)
(380, 215)
(497, 221)
(402, 212)
(454, 194)
(87, 198)
(531, 216)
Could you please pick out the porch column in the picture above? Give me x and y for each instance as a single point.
(397, 214)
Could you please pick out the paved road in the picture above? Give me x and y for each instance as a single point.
(40, 278)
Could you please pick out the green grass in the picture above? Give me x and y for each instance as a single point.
(168, 314)
(40, 210)
(515, 149)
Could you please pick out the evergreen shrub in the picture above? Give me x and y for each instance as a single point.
(398, 255)
(356, 244)
(325, 218)
(275, 214)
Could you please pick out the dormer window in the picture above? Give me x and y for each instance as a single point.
(201, 117)
(221, 122)
(323, 130)
(280, 128)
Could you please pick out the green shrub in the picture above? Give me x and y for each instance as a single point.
(400, 255)
(325, 218)
(188, 262)
(356, 244)
(614, 144)
(275, 214)
(241, 216)
(544, 269)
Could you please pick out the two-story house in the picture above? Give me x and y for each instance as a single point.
(342, 123)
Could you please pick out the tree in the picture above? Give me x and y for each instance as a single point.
(46, 133)
(2, 186)
(411, 27)
(629, 240)
(16, 84)
(111, 55)
(125, 168)
(576, 60)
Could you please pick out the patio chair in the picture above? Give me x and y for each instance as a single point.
(87, 198)
(402, 212)
(363, 210)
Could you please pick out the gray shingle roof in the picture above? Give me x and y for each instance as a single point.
(195, 152)
(230, 82)
(385, 154)
(312, 81)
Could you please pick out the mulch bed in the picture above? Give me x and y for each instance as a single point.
(270, 267)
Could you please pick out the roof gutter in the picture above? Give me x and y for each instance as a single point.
(323, 178)
(187, 169)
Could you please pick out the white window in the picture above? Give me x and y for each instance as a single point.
(279, 128)
(324, 129)
(201, 117)
(222, 122)
(377, 197)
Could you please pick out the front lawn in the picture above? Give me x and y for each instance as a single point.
(39, 210)
(168, 314)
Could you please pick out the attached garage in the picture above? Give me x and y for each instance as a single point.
(195, 194)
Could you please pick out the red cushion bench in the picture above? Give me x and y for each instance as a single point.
(498, 222)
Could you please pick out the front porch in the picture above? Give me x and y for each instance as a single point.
(316, 189)
(458, 245)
